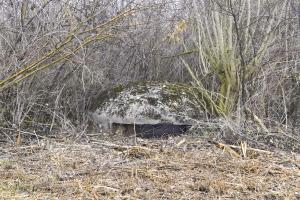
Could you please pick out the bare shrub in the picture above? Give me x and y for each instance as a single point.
(55, 55)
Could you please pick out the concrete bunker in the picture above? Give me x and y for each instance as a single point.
(149, 109)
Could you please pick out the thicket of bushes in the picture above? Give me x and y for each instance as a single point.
(56, 55)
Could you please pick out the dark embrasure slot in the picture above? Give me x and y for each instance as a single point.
(152, 130)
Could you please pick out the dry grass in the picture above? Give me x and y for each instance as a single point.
(177, 168)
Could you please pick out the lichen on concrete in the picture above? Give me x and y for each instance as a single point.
(146, 103)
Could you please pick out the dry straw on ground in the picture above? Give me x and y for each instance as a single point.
(177, 168)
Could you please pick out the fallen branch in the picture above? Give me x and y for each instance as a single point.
(251, 149)
(232, 149)
(121, 147)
